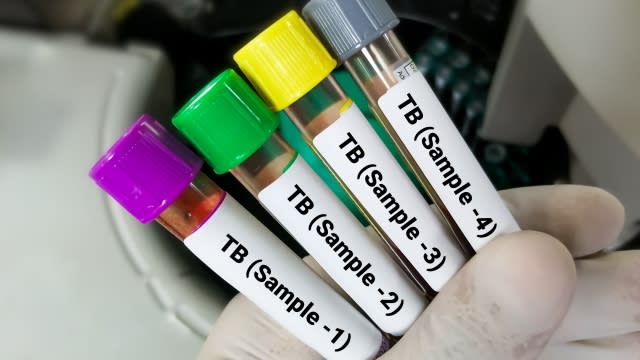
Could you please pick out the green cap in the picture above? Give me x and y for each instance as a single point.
(226, 121)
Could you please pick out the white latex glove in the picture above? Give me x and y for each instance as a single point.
(513, 300)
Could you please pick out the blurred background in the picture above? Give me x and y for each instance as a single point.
(543, 91)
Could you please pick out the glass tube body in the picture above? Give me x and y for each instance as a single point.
(266, 165)
(192, 208)
(373, 69)
(315, 112)
(201, 201)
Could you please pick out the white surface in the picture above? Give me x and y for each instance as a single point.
(575, 63)
(341, 245)
(555, 49)
(605, 159)
(239, 248)
(529, 90)
(81, 279)
(444, 158)
(596, 43)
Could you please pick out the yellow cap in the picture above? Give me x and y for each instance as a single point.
(285, 61)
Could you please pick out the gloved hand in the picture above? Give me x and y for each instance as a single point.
(547, 292)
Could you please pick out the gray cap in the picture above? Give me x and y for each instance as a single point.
(347, 26)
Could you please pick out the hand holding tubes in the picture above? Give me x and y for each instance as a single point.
(532, 294)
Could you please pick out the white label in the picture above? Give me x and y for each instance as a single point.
(363, 163)
(310, 211)
(441, 153)
(243, 252)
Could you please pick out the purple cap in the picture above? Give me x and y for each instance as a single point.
(146, 169)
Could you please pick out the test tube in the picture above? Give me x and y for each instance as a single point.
(235, 131)
(360, 34)
(155, 177)
(291, 69)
